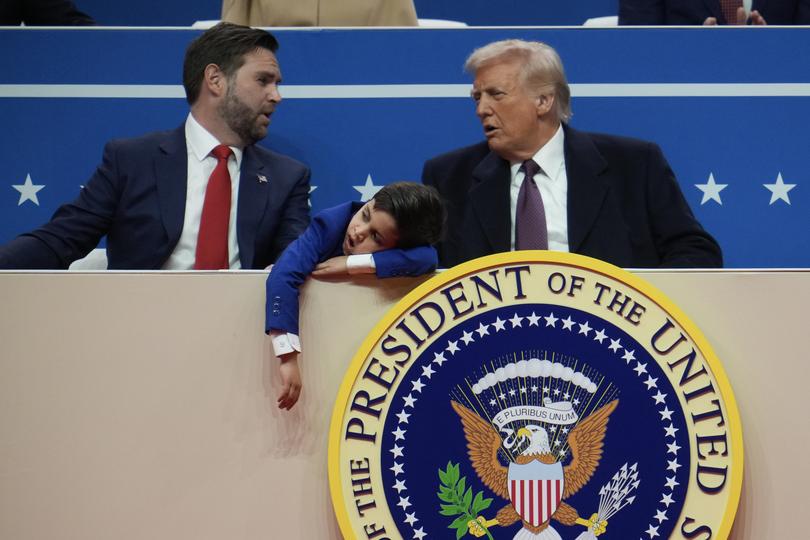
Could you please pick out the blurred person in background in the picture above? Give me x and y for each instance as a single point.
(42, 13)
(320, 12)
(714, 12)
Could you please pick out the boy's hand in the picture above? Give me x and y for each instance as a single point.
(290, 381)
(336, 266)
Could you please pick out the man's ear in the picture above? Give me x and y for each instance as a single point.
(214, 80)
(545, 103)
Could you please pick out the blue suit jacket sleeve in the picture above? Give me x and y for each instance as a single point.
(321, 240)
(75, 228)
(405, 262)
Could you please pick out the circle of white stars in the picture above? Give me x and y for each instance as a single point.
(568, 324)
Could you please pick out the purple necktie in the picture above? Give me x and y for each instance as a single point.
(530, 221)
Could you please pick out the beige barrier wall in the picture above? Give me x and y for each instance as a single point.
(142, 406)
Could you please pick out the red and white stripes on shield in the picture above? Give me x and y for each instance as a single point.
(535, 500)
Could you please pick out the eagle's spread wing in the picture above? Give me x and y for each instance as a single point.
(586, 441)
(483, 443)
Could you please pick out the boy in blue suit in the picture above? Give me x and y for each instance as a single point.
(390, 235)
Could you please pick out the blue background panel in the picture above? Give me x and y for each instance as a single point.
(418, 56)
(742, 140)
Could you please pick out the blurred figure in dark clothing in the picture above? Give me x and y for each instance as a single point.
(42, 13)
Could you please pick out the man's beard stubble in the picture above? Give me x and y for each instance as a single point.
(240, 118)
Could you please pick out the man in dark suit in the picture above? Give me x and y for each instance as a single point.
(151, 196)
(607, 197)
(710, 12)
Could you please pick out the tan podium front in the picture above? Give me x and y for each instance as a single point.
(143, 405)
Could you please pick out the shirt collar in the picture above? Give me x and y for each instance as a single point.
(200, 141)
(550, 157)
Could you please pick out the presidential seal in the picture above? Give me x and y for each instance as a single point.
(535, 396)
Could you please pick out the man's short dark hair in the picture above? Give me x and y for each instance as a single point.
(225, 45)
(417, 209)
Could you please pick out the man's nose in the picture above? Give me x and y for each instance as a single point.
(275, 94)
(482, 107)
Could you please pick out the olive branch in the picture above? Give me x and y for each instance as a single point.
(460, 501)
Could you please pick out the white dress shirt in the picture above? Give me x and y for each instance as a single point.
(199, 144)
(552, 181)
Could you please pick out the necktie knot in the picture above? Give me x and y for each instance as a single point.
(222, 152)
(530, 168)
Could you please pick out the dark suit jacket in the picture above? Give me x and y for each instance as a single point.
(137, 197)
(42, 13)
(322, 240)
(624, 204)
(694, 12)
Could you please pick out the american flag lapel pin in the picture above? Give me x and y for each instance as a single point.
(262, 179)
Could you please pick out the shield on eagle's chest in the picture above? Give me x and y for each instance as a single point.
(535, 490)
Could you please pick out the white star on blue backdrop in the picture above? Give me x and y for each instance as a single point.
(779, 190)
(711, 190)
(367, 190)
(28, 191)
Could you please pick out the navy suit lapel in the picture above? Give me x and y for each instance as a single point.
(586, 191)
(489, 196)
(171, 173)
(255, 185)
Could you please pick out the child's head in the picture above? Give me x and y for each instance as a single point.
(402, 214)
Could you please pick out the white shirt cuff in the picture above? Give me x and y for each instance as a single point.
(360, 264)
(284, 342)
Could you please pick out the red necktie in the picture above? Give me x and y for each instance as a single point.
(212, 240)
(729, 9)
(530, 220)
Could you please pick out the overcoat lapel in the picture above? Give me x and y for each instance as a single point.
(584, 166)
(489, 197)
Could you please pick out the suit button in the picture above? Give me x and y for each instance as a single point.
(275, 312)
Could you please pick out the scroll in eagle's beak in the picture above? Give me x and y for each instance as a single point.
(523, 432)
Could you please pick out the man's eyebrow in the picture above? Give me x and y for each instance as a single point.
(274, 74)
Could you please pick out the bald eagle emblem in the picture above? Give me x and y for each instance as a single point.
(536, 483)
